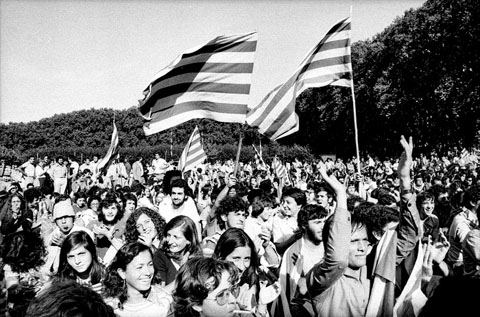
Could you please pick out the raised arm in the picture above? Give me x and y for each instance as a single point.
(410, 227)
(337, 246)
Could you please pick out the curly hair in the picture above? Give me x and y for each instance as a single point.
(107, 202)
(193, 283)
(114, 284)
(72, 241)
(310, 212)
(23, 250)
(376, 217)
(131, 232)
(230, 204)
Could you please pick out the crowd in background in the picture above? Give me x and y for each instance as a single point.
(140, 238)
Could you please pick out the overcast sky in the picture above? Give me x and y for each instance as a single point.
(62, 56)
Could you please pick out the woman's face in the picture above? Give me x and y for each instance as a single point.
(145, 225)
(94, 205)
(176, 240)
(241, 257)
(129, 206)
(110, 212)
(138, 274)
(80, 259)
(147, 192)
(16, 203)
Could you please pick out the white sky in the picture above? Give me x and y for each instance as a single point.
(62, 56)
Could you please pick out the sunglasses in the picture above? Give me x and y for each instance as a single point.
(222, 298)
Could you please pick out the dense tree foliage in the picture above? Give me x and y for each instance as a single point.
(419, 77)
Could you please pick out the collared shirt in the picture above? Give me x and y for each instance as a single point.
(29, 169)
(332, 284)
(58, 171)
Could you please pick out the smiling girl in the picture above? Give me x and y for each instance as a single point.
(128, 284)
(180, 243)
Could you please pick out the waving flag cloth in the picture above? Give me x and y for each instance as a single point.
(328, 63)
(210, 81)
(279, 169)
(260, 164)
(193, 154)
(111, 155)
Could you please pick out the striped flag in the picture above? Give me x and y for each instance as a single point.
(258, 158)
(111, 155)
(193, 154)
(328, 63)
(210, 81)
(279, 169)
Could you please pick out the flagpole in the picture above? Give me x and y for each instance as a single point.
(355, 111)
(238, 151)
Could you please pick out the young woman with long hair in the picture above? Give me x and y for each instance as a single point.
(180, 243)
(236, 247)
(79, 262)
(128, 284)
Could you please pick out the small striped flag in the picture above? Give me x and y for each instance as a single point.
(210, 81)
(328, 63)
(193, 154)
(259, 163)
(279, 169)
(111, 155)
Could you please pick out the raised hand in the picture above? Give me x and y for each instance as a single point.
(406, 158)
(331, 180)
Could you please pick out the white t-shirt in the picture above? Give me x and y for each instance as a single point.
(188, 209)
(283, 227)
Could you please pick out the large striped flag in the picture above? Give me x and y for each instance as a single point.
(328, 63)
(193, 154)
(210, 81)
(111, 155)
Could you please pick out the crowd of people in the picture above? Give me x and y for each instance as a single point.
(399, 237)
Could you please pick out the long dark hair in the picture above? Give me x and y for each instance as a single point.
(234, 238)
(6, 215)
(114, 284)
(189, 230)
(72, 241)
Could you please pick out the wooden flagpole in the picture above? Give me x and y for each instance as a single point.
(355, 109)
(237, 159)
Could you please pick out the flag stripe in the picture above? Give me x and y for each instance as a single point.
(226, 78)
(184, 112)
(202, 100)
(328, 63)
(210, 76)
